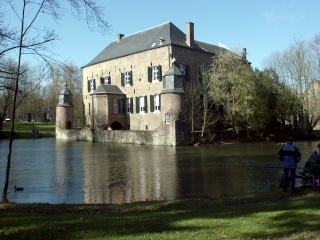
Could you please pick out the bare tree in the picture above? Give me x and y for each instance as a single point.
(296, 67)
(32, 39)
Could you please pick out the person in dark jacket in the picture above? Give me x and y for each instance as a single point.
(312, 166)
(289, 155)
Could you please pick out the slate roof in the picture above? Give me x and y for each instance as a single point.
(107, 89)
(147, 40)
(174, 70)
(65, 91)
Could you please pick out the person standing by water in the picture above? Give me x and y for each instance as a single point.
(289, 155)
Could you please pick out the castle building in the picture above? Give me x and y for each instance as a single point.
(136, 83)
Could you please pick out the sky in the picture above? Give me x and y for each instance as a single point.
(262, 27)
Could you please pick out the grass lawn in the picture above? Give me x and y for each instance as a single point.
(273, 215)
(24, 129)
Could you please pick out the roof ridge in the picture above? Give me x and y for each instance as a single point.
(146, 29)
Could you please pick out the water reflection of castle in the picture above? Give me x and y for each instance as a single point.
(140, 176)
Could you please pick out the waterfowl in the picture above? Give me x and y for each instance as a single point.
(18, 189)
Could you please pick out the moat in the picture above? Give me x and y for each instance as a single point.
(55, 171)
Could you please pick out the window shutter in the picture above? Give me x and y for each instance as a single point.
(131, 78)
(151, 103)
(160, 73)
(160, 102)
(102, 80)
(146, 103)
(187, 72)
(149, 74)
(122, 79)
(109, 79)
(94, 84)
(88, 85)
(137, 104)
(123, 105)
(131, 105)
(118, 106)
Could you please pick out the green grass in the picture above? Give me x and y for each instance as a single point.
(24, 129)
(275, 215)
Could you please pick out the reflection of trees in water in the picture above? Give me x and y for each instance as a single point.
(77, 172)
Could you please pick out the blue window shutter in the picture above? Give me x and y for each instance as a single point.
(137, 104)
(109, 79)
(94, 84)
(160, 73)
(88, 85)
(149, 74)
(146, 103)
(102, 80)
(122, 79)
(131, 82)
(151, 103)
(159, 102)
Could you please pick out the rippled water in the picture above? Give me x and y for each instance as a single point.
(56, 171)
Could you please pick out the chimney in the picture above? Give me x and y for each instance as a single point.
(190, 34)
(244, 53)
(119, 37)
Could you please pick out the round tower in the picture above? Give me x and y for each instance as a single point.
(65, 110)
(174, 129)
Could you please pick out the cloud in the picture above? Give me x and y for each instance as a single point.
(279, 14)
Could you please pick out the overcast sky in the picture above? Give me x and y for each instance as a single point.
(262, 27)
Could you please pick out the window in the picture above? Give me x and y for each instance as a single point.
(154, 74)
(105, 80)
(141, 104)
(129, 105)
(91, 85)
(182, 69)
(155, 103)
(115, 106)
(126, 78)
(167, 118)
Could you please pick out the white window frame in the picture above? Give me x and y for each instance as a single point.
(91, 85)
(127, 79)
(128, 102)
(142, 105)
(155, 74)
(156, 103)
(167, 118)
(107, 80)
